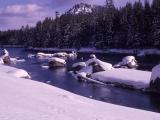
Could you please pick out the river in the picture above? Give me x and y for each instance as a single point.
(60, 77)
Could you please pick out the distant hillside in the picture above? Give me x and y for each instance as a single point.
(132, 26)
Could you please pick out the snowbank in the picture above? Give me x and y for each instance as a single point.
(14, 72)
(30, 100)
(148, 52)
(131, 78)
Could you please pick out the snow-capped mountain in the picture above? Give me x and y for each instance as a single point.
(80, 8)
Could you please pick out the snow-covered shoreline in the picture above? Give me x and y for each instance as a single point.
(24, 99)
(11, 46)
(139, 52)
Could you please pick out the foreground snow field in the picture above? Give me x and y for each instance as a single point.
(23, 99)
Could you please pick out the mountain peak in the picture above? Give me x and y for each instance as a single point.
(80, 8)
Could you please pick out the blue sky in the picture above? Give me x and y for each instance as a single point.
(15, 13)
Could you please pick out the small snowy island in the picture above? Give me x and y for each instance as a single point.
(24, 99)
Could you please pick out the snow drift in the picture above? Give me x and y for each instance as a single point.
(30, 100)
(11, 71)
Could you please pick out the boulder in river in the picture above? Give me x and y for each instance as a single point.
(56, 62)
(155, 79)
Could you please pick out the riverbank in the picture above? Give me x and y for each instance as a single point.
(24, 99)
(138, 52)
(11, 46)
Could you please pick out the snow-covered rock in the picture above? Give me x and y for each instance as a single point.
(60, 54)
(78, 66)
(23, 99)
(155, 73)
(5, 52)
(72, 55)
(155, 79)
(56, 62)
(31, 55)
(64, 54)
(88, 70)
(83, 70)
(15, 60)
(83, 64)
(103, 65)
(43, 55)
(6, 59)
(127, 77)
(81, 75)
(15, 72)
(1, 61)
(128, 61)
(19, 73)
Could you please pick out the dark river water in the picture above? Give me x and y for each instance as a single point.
(61, 78)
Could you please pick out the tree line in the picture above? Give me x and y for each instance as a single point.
(132, 26)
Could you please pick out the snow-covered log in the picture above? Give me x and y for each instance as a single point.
(126, 77)
(83, 76)
(56, 62)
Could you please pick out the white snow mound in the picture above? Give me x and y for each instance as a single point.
(155, 73)
(135, 78)
(103, 65)
(19, 73)
(55, 59)
(79, 64)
